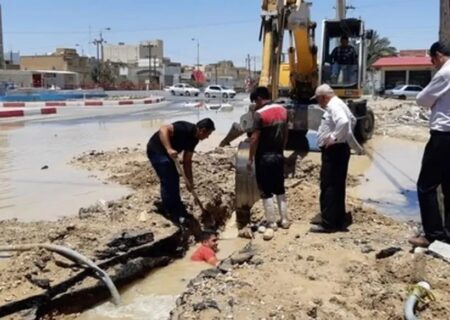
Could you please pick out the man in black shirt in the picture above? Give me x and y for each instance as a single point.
(343, 58)
(163, 147)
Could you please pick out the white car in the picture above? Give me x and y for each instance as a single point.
(216, 91)
(403, 91)
(183, 89)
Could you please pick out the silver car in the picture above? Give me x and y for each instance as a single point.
(404, 91)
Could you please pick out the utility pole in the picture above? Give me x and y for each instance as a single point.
(99, 44)
(444, 28)
(198, 52)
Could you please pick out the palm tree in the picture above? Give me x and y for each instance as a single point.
(444, 30)
(379, 47)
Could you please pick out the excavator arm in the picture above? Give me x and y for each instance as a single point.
(293, 16)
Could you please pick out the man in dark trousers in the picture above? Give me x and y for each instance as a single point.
(267, 143)
(344, 58)
(334, 138)
(435, 169)
(163, 148)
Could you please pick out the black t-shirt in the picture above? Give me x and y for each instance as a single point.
(183, 138)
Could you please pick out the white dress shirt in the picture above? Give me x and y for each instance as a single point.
(436, 96)
(338, 123)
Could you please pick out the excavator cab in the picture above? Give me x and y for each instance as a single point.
(343, 56)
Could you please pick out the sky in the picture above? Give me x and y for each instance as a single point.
(226, 29)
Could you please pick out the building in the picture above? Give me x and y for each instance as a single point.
(40, 79)
(225, 73)
(135, 54)
(63, 59)
(409, 67)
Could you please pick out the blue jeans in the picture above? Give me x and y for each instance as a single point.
(348, 73)
(170, 185)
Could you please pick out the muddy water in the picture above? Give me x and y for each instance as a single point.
(154, 297)
(28, 192)
(389, 174)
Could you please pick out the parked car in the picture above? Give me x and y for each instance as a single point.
(216, 91)
(403, 91)
(183, 89)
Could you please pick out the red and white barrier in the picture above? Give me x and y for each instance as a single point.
(83, 103)
(26, 112)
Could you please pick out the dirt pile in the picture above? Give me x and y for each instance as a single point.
(106, 229)
(300, 275)
(400, 118)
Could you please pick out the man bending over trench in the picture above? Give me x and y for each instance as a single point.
(163, 149)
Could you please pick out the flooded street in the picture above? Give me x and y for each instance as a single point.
(390, 170)
(30, 193)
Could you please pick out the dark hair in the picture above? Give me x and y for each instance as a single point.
(260, 92)
(439, 47)
(206, 235)
(207, 124)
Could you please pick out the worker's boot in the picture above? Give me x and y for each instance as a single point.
(282, 209)
(270, 218)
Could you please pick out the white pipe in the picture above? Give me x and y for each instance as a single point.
(74, 256)
(420, 291)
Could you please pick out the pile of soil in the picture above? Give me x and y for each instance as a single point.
(400, 119)
(302, 275)
(93, 232)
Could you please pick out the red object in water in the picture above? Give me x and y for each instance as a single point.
(198, 76)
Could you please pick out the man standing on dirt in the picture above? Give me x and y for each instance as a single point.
(163, 148)
(267, 143)
(334, 138)
(435, 169)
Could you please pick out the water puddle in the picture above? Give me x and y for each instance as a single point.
(155, 296)
(390, 170)
(29, 193)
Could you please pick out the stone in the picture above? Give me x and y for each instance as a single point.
(268, 234)
(206, 304)
(385, 253)
(367, 249)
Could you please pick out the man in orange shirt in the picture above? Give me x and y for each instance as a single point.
(208, 248)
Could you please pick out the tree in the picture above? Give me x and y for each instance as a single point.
(103, 73)
(379, 47)
(444, 29)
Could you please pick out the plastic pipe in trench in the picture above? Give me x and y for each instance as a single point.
(74, 256)
(420, 290)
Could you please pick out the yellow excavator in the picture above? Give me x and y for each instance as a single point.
(293, 82)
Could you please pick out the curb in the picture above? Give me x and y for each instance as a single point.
(83, 103)
(23, 113)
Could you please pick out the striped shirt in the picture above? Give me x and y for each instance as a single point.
(271, 120)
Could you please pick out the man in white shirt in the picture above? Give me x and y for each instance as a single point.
(435, 169)
(334, 138)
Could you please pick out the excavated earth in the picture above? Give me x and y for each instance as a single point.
(296, 275)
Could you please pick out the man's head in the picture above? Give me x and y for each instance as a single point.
(260, 96)
(208, 238)
(439, 54)
(204, 128)
(323, 95)
(344, 40)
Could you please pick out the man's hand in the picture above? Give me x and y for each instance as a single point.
(250, 166)
(172, 153)
(329, 142)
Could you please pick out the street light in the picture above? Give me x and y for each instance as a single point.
(99, 42)
(198, 52)
(82, 49)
